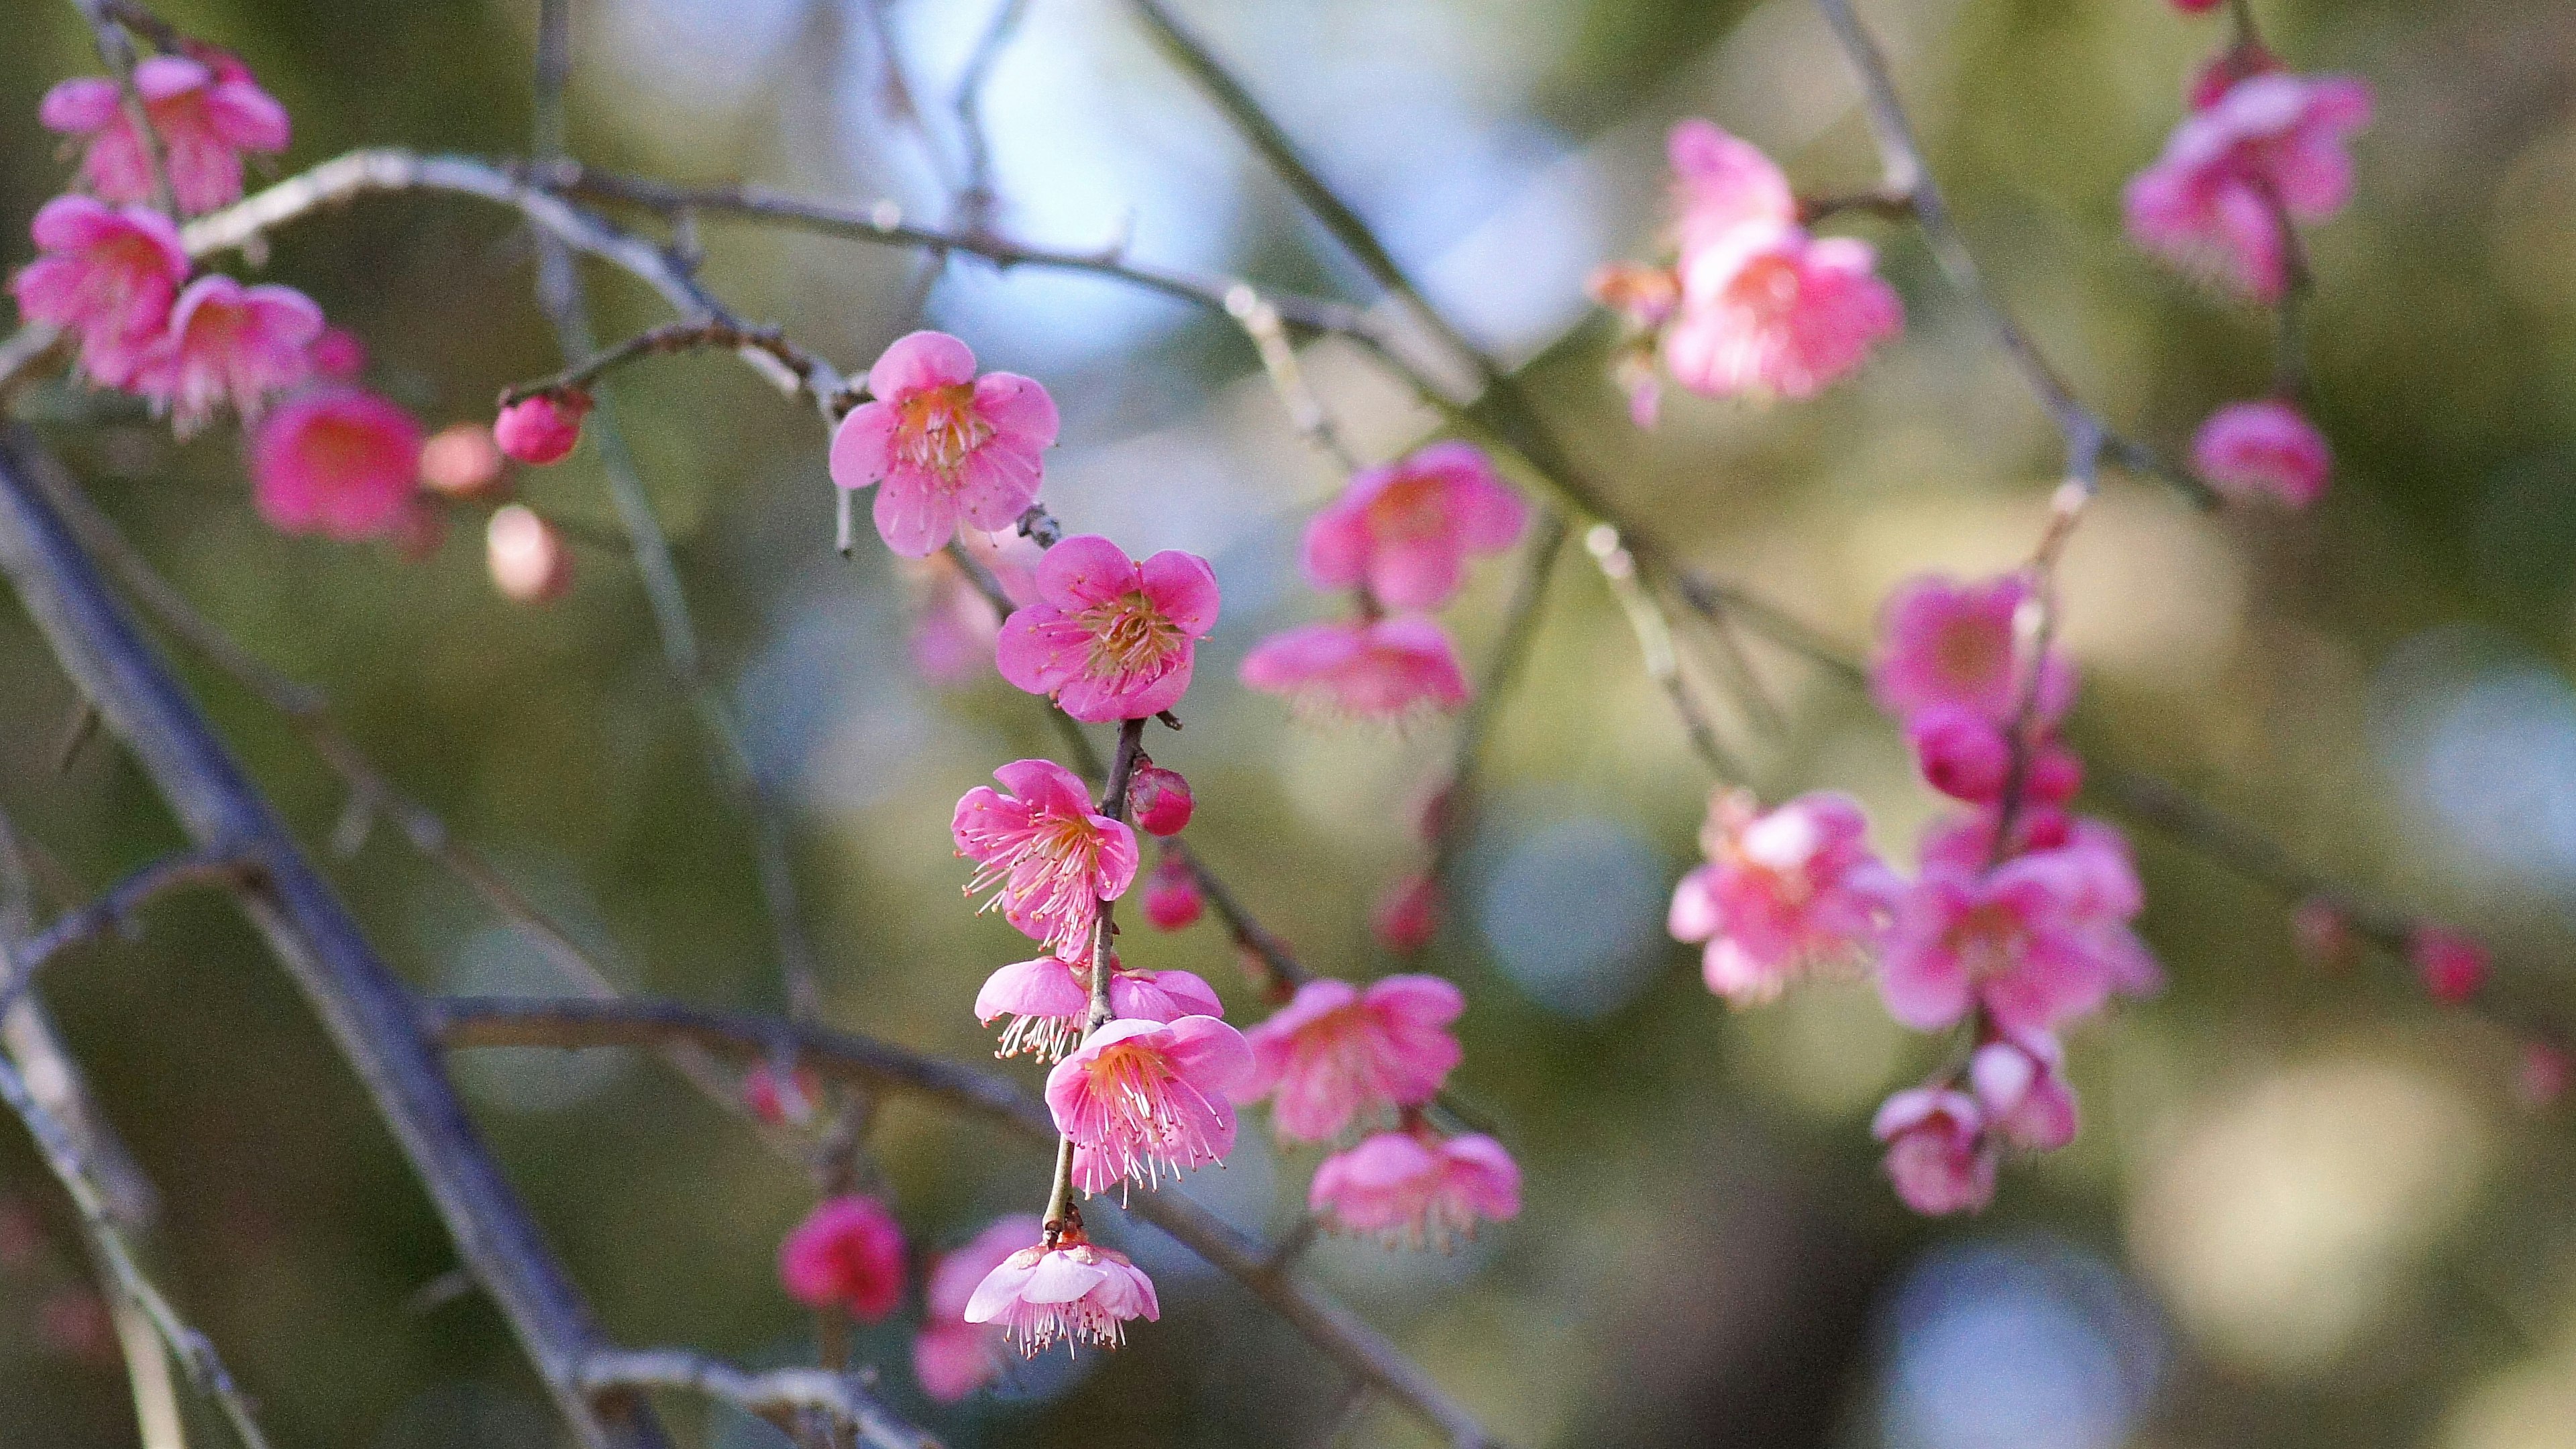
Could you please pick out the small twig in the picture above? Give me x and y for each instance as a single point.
(669, 338)
(779, 1395)
(975, 195)
(1655, 641)
(114, 910)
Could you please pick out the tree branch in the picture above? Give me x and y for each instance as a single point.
(780, 1395)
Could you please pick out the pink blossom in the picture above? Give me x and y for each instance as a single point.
(461, 461)
(2256, 450)
(338, 355)
(2268, 151)
(1967, 756)
(1407, 916)
(954, 625)
(2096, 881)
(1049, 1000)
(1158, 800)
(527, 557)
(1072, 1291)
(1142, 1098)
(847, 1254)
(1721, 185)
(1937, 1154)
(1052, 854)
(1945, 642)
(950, 1356)
(335, 461)
(948, 446)
(230, 343)
(2012, 938)
(1404, 531)
(780, 1099)
(2452, 966)
(1406, 1188)
(1384, 669)
(2020, 1081)
(206, 116)
(1110, 638)
(1770, 309)
(1784, 891)
(1172, 899)
(107, 274)
(542, 428)
(1336, 1052)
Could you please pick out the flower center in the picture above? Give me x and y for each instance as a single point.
(1413, 507)
(1971, 653)
(1988, 940)
(1141, 1096)
(1766, 286)
(937, 429)
(1131, 638)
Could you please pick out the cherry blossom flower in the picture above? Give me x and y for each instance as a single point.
(2015, 938)
(527, 556)
(1404, 531)
(2096, 878)
(1048, 1000)
(1784, 891)
(1937, 1153)
(335, 461)
(461, 461)
(2267, 152)
(107, 274)
(1946, 642)
(1336, 1052)
(1383, 669)
(2020, 1081)
(847, 1254)
(228, 343)
(1110, 638)
(1407, 916)
(949, 447)
(1172, 899)
(206, 115)
(1158, 800)
(1722, 184)
(543, 427)
(1404, 1187)
(1142, 1098)
(1770, 309)
(1051, 854)
(780, 1099)
(950, 1356)
(2256, 450)
(2452, 966)
(1073, 1291)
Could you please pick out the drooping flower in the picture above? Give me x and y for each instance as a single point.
(1073, 1291)
(1158, 800)
(2452, 966)
(1384, 669)
(2267, 152)
(2257, 450)
(1407, 915)
(1937, 1153)
(1784, 891)
(106, 274)
(1048, 1000)
(461, 461)
(950, 1356)
(1404, 531)
(949, 447)
(1336, 1052)
(2016, 939)
(1172, 898)
(847, 1254)
(543, 427)
(2020, 1081)
(1143, 1098)
(230, 343)
(206, 115)
(335, 461)
(1110, 638)
(527, 556)
(1400, 1187)
(1770, 309)
(1945, 642)
(1052, 854)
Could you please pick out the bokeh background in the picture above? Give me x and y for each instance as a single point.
(2306, 1208)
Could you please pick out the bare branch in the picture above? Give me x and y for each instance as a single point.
(114, 910)
(780, 1394)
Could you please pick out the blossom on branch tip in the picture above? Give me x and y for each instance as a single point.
(1049, 999)
(1172, 898)
(2266, 153)
(1945, 642)
(106, 274)
(1400, 1187)
(946, 446)
(1404, 531)
(1336, 1052)
(2453, 967)
(228, 343)
(1771, 309)
(1382, 669)
(1073, 1291)
(847, 1254)
(527, 557)
(335, 461)
(1046, 852)
(2020, 1081)
(2256, 450)
(1937, 1152)
(1139, 1098)
(1109, 638)
(543, 427)
(951, 1356)
(1784, 891)
(205, 116)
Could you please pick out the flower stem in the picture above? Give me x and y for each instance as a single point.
(1062, 1215)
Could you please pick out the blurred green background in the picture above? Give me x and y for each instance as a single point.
(2306, 1209)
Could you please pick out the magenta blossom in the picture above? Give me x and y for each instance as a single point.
(1110, 638)
(1143, 1098)
(1159, 800)
(2267, 152)
(2020, 1082)
(847, 1254)
(948, 447)
(950, 1356)
(2256, 450)
(1336, 1052)
(1052, 854)
(542, 428)
(107, 275)
(1049, 999)
(1945, 642)
(1404, 531)
(1072, 1291)
(1385, 669)
(1770, 309)
(1937, 1152)
(1784, 891)
(2453, 967)
(2099, 885)
(335, 461)
(1400, 1187)
(205, 115)
(2018, 939)
(228, 343)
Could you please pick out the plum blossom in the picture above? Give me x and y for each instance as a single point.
(335, 461)
(2267, 152)
(207, 113)
(1336, 1052)
(543, 427)
(1142, 1098)
(1937, 1152)
(954, 625)
(2256, 450)
(1722, 183)
(1172, 898)
(1109, 638)
(1048, 999)
(1412, 1187)
(2452, 966)
(1783, 891)
(1404, 531)
(950, 1356)
(1158, 800)
(847, 1254)
(1073, 1291)
(1049, 852)
(228, 343)
(1770, 309)
(106, 274)
(1384, 669)
(2020, 1081)
(2016, 939)
(338, 355)
(1945, 642)
(527, 557)
(947, 446)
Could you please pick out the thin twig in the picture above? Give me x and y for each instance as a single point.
(114, 910)
(670, 337)
(777, 1395)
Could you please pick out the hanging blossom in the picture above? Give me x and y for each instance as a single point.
(335, 461)
(2453, 967)
(1416, 1187)
(2252, 451)
(1071, 1291)
(2267, 152)
(1109, 638)
(1047, 1000)
(950, 1356)
(2011, 940)
(207, 113)
(1046, 852)
(1404, 531)
(953, 625)
(2096, 879)
(1967, 756)
(1783, 891)
(1943, 642)
(228, 343)
(1938, 1154)
(846, 1255)
(942, 446)
(2020, 1082)
(1381, 669)
(1337, 1052)
(107, 275)
(1139, 1099)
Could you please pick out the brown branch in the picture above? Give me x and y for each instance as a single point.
(669, 338)
(780, 1395)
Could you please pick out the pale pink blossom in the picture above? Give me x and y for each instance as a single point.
(1404, 531)
(206, 116)
(461, 461)
(2268, 151)
(2452, 966)
(1049, 854)
(543, 427)
(1139, 1099)
(1337, 1052)
(1722, 184)
(2262, 450)
(950, 1356)
(229, 343)
(1048, 1000)
(335, 461)
(1945, 642)
(1158, 800)
(1400, 1187)
(847, 1254)
(1073, 1291)
(1407, 915)
(1110, 638)
(954, 625)
(1784, 891)
(2017, 940)
(2020, 1081)
(947, 446)
(1937, 1153)
(527, 557)
(1770, 309)
(1384, 669)
(1172, 898)
(106, 274)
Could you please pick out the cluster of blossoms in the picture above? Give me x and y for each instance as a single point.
(1748, 302)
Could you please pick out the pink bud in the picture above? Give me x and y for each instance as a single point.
(2055, 775)
(2451, 965)
(338, 355)
(1408, 915)
(1962, 754)
(1172, 899)
(1159, 800)
(542, 428)
(461, 461)
(529, 562)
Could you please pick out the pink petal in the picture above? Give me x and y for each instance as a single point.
(1183, 586)
(918, 361)
(863, 446)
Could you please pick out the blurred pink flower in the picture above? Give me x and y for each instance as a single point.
(847, 1254)
(1385, 669)
(1407, 915)
(1110, 638)
(1770, 309)
(2452, 966)
(2090, 858)
(107, 275)
(948, 447)
(1048, 1001)
(1945, 642)
(1721, 184)
(954, 625)
(1937, 1154)
(1336, 1052)
(542, 428)
(228, 343)
(527, 557)
(1172, 899)
(950, 1356)
(335, 461)
(461, 461)
(2543, 1076)
(1404, 531)
(1051, 854)
(1072, 1291)
(1402, 1188)
(205, 115)
(2020, 1081)
(2268, 151)
(1783, 891)
(2015, 939)
(338, 355)
(2255, 450)
(1142, 1098)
